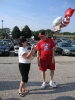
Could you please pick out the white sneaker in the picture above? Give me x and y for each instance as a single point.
(52, 84)
(43, 85)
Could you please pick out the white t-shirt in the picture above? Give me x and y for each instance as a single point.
(21, 51)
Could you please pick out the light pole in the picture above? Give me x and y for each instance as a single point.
(2, 26)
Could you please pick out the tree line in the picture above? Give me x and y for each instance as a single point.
(27, 32)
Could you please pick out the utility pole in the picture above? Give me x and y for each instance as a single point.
(2, 27)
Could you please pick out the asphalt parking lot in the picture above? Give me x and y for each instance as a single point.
(64, 78)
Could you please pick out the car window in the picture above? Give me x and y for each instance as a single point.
(66, 45)
(73, 43)
(3, 44)
(7, 40)
(58, 44)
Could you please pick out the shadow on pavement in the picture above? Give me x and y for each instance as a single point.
(49, 90)
(12, 99)
(9, 85)
(1, 99)
(65, 98)
(35, 87)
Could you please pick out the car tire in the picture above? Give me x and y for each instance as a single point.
(62, 53)
(8, 54)
(12, 48)
(56, 51)
(16, 54)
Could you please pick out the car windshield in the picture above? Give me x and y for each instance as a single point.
(3, 44)
(66, 45)
(7, 40)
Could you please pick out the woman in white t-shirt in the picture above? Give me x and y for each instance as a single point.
(24, 65)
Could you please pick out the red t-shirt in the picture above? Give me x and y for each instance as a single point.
(45, 48)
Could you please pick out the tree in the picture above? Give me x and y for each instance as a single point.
(16, 32)
(47, 31)
(73, 33)
(5, 33)
(66, 33)
(1, 36)
(35, 34)
(26, 32)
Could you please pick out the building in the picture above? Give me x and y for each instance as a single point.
(64, 36)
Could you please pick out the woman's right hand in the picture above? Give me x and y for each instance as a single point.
(32, 47)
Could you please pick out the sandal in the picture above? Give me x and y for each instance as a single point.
(21, 94)
(25, 91)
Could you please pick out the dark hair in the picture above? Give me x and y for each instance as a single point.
(22, 40)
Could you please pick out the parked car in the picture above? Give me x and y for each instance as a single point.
(35, 44)
(16, 42)
(73, 43)
(4, 48)
(65, 48)
(16, 48)
(66, 40)
(57, 41)
(10, 43)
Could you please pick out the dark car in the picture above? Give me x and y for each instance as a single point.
(65, 48)
(11, 44)
(73, 43)
(4, 48)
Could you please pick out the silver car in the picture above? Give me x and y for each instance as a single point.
(65, 48)
(16, 48)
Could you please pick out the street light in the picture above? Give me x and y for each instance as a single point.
(2, 26)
